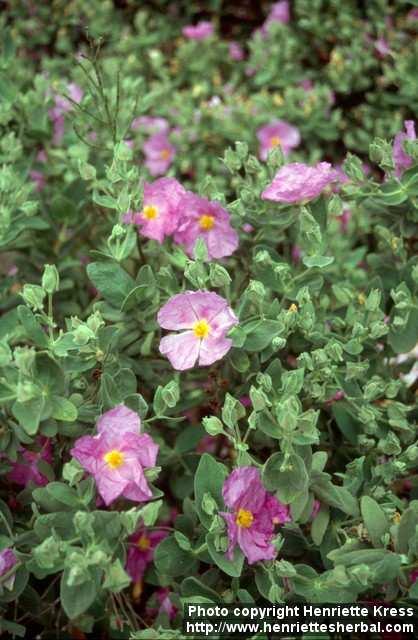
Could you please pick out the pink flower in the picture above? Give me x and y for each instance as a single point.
(202, 218)
(200, 31)
(159, 154)
(247, 227)
(401, 159)
(382, 47)
(204, 319)
(279, 12)
(25, 470)
(159, 215)
(413, 576)
(275, 134)
(151, 124)
(412, 14)
(38, 178)
(7, 562)
(315, 509)
(306, 84)
(236, 52)
(117, 456)
(298, 182)
(254, 515)
(296, 253)
(141, 551)
(62, 106)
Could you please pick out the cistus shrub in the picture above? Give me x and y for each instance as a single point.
(208, 309)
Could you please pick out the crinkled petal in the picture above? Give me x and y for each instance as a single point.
(213, 349)
(243, 489)
(181, 349)
(255, 545)
(118, 421)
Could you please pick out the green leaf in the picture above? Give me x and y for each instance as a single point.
(32, 327)
(375, 520)
(170, 560)
(260, 333)
(335, 496)
(286, 475)
(63, 409)
(320, 525)
(209, 478)
(76, 599)
(318, 261)
(28, 414)
(404, 340)
(111, 280)
(230, 567)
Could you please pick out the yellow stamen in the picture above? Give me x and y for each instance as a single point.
(150, 212)
(137, 590)
(143, 543)
(165, 154)
(206, 222)
(201, 329)
(361, 298)
(114, 458)
(293, 308)
(244, 518)
(275, 141)
(396, 518)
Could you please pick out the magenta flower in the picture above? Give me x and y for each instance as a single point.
(200, 31)
(38, 178)
(236, 52)
(117, 456)
(204, 319)
(412, 14)
(297, 182)
(202, 218)
(26, 471)
(7, 561)
(159, 153)
(151, 124)
(254, 515)
(413, 576)
(160, 213)
(401, 159)
(277, 134)
(141, 551)
(315, 509)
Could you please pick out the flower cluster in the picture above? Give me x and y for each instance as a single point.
(169, 210)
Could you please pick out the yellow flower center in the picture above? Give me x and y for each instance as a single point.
(201, 329)
(150, 212)
(114, 458)
(244, 518)
(143, 543)
(165, 154)
(275, 141)
(293, 308)
(206, 222)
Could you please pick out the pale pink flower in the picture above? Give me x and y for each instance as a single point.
(151, 124)
(202, 218)
(204, 319)
(160, 214)
(401, 159)
(117, 456)
(298, 182)
(141, 551)
(236, 52)
(7, 561)
(200, 31)
(159, 154)
(277, 134)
